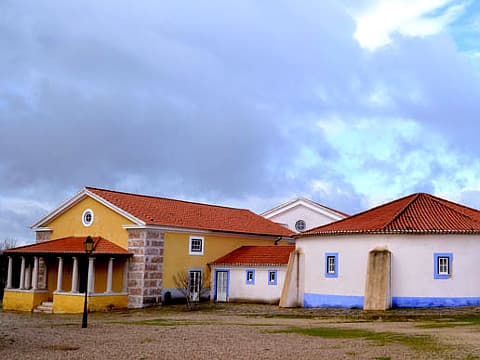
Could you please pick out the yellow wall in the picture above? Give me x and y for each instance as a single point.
(177, 258)
(71, 304)
(68, 303)
(107, 302)
(23, 300)
(106, 223)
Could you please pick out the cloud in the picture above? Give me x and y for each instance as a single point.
(415, 18)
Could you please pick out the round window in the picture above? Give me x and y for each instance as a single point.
(87, 217)
(300, 225)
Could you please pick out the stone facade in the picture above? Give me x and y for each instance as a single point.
(145, 272)
(42, 273)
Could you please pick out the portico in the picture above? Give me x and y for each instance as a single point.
(55, 271)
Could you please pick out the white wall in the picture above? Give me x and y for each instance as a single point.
(300, 212)
(412, 264)
(261, 291)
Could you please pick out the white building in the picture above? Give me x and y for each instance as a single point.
(250, 274)
(417, 251)
(301, 214)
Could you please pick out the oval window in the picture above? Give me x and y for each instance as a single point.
(87, 217)
(300, 225)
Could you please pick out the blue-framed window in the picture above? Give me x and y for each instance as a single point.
(331, 265)
(442, 265)
(250, 277)
(272, 277)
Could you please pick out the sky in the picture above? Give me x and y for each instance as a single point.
(240, 103)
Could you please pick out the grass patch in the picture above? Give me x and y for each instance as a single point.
(451, 322)
(416, 342)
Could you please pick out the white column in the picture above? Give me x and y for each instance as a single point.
(91, 275)
(109, 275)
(35, 273)
(125, 276)
(22, 274)
(28, 276)
(60, 274)
(75, 275)
(9, 272)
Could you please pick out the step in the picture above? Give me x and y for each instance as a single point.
(44, 307)
(43, 311)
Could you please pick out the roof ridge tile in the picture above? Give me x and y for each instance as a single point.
(403, 209)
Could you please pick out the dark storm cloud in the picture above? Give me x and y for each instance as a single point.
(204, 94)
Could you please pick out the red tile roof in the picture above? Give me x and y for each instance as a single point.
(183, 214)
(418, 213)
(70, 245)
(257, 255)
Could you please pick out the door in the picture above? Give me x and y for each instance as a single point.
(195, 283)
(222, 285)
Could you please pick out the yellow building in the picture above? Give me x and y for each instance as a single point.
(141, 243)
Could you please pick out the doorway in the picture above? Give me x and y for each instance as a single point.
(221, 282)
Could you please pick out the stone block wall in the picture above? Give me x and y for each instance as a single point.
(145, 272)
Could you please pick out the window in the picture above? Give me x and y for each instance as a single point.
(442, 265)
(272, 277)
(196, 245)
(87, 217)
(250, 278)
(331, 265)
(300, 225)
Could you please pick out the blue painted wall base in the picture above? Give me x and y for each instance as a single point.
(426, 302)
(344, 301)
(332, 301)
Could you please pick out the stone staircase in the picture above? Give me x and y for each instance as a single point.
(45, 307)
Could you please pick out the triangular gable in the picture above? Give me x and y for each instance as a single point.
(75, 199)
(310, 204)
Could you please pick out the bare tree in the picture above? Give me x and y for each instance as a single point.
(192, 286)
(8, 243)
(5, 244)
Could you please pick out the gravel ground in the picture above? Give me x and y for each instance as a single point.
(230, 331)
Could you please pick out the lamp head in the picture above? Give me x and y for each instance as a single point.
(88, 244)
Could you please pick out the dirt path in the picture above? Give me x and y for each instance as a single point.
(244, 332)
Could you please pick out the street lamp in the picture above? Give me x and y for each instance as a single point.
(88, 246)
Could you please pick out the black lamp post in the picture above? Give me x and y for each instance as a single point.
(88, 245)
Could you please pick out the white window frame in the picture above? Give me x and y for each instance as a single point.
(443, 265)
(195, 288)
(84, 215)
(192, 241)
